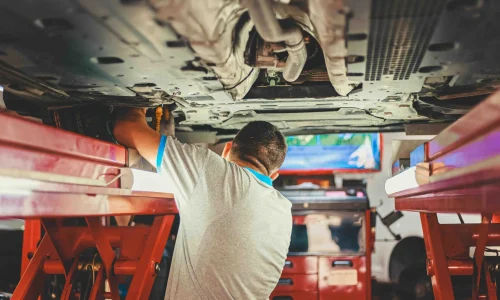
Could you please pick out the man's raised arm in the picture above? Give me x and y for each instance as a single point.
(180, 164)
(131, 130)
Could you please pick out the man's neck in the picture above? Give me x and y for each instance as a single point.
(246, 164)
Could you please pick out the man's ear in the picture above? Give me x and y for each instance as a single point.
(227, 149)
(275, 175)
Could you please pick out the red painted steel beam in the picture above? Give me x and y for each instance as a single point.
(461, 237)
(473, 200)
(467, 128)
(148, 265)
(116, 235)
(472, 231)
(61, 252)
(441, 281)
(97, 292)
(493, 237)
(32, 280)
(31, 236)
(29, 135)
(482, 148)
(105, 252)
(481, 246)
(13, 184)
(28, 159)
(464, 161)
(460, 267)
(472, 180)
(120, 267)
(68, 285)
(491, 286)
(455, 267)
(35, 205)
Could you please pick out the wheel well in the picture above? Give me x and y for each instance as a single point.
(408, 253)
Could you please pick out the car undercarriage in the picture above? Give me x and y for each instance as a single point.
(305, 66)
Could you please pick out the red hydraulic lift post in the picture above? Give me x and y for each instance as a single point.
(48, 176)
(462, 165)
(31, 236)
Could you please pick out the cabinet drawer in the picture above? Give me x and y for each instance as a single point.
(301, 265)
(343, 278)
(294, 296)
(297, 283)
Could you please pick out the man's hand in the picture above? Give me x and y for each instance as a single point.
(167, 127)
(132, 131)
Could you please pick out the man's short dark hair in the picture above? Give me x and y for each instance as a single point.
(261, 141)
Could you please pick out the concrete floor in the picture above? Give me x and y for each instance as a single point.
(385, 291)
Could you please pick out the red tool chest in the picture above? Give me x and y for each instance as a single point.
(330, 250)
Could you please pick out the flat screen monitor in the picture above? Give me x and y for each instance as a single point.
(326, 153)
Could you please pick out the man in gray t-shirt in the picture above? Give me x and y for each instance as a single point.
(235, 227)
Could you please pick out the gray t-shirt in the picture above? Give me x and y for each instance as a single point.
(235, 227)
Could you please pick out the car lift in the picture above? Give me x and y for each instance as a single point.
(49, 177)
(458, 172)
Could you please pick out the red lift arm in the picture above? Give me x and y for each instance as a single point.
(47, 176)
(462, 165)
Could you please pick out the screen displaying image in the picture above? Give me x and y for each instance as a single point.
(346, 151)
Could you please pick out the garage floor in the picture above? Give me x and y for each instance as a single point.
(385, 291)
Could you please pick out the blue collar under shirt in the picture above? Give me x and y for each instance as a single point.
(267, 180)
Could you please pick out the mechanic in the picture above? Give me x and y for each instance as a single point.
(235, 227)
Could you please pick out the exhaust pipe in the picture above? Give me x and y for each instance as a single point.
(268, 27)
(329, 19)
